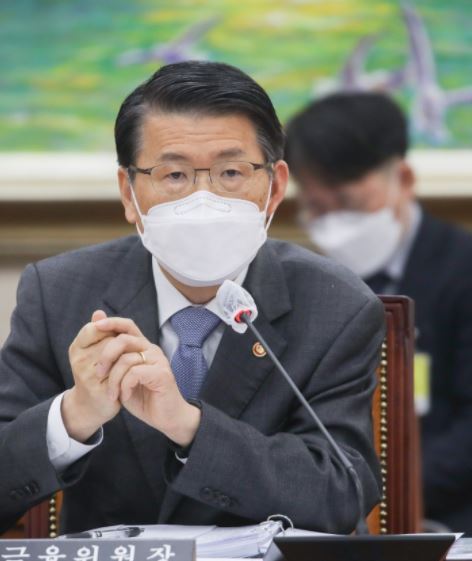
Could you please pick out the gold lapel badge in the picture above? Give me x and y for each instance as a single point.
(258, 350)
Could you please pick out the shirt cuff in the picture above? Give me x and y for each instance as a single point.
(182, 454)
(183, 460)
(63, 450)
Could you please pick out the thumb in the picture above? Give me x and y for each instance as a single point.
(98, 315)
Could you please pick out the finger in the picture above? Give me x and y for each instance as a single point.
(89, 335)
(116, 347)
(119, 325)
(98, 315)
(84, 361)
(152, 356)
(119, 370)
(148, 375)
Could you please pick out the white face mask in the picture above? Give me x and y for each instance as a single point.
(362, 241)
(204, 239)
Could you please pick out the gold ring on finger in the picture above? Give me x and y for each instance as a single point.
(143, 356)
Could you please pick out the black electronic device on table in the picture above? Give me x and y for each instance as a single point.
(406, 547)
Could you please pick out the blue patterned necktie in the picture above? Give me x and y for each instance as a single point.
(193, 325)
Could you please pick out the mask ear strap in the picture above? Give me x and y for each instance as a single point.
(269, 220)
(135, 201)
(133, 196)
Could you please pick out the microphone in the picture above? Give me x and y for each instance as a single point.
(240, 310)
(234, 301)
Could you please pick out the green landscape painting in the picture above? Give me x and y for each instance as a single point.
(67, 64)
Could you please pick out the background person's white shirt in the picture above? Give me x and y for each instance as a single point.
(395, 268)
(63, 450)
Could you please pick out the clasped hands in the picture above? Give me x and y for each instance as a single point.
(115, 366)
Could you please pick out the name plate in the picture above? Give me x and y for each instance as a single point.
(97, 550)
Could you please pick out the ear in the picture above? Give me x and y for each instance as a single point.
(279, 185)
(407, 180)
(131, 213)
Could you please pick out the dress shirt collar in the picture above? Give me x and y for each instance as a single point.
(396, 266)
(171, 301)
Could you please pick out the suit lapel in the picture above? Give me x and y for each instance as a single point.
(132, 294)
(431, 244)
(428, 240)
(236, 373)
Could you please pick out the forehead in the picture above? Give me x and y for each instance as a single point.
(195, 136)
(372, 181)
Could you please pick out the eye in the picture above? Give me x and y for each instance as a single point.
(231, 173)
(176, 176)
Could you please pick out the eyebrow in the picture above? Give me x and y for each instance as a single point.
(231, 153)
(176, 157)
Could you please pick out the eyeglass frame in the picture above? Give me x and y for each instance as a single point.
(256, 167)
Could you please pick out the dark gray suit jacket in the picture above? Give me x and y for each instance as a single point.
(256, 452)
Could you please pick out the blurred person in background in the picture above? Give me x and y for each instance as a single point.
(356, 191)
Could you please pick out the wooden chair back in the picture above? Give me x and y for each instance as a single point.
(396, 429)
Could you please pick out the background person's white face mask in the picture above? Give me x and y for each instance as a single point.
(204, 239)
(363, 241)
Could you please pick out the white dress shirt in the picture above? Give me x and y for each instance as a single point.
(64, 450)
(397, 263)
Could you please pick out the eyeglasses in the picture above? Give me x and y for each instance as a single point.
(228, 178)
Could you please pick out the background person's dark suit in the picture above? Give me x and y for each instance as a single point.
(256, 452)
(438, 276)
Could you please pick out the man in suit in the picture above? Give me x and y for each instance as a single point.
(356, 194)
(121, 384)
